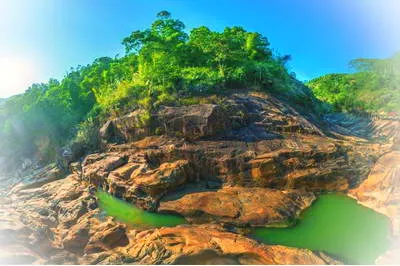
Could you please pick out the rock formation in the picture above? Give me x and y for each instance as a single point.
(246, 160)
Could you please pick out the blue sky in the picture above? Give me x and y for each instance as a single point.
(41, 39)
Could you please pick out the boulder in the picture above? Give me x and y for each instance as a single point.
(132, 126)
(194, 121)
(241, 206)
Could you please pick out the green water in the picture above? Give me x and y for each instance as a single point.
(337, 225)
(134, 216)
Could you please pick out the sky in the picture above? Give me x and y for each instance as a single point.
(42, 39)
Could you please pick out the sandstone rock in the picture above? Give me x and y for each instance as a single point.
(97, 166)
(381, 190)
(108, 133)
(107, 236)
(77, 237)
(209, 245)
(127, 128)
(387, 129)
(193, 122)
(240, 206)
(262, 156)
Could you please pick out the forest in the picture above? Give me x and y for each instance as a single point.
(373, 88)
(166, 65)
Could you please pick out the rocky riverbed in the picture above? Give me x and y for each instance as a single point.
(249, 160)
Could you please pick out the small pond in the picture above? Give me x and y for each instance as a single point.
(334, 224)
(337, 225)
(134, 216)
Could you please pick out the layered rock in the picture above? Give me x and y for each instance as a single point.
(381, 190)
(143, 171)
(207, 245)
(59, 223)
(193, 122)
(241, 160)
(240, 206)
(134, 178)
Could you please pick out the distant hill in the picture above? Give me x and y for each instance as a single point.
(373, 88)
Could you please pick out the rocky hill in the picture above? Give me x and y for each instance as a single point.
(249, 160)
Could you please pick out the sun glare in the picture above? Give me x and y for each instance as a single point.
(16, 75)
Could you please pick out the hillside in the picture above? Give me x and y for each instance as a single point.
(163, 65)
(374, 88)
(181, 150)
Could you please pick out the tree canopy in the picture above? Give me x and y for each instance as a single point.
(373, 88)
(162, 64)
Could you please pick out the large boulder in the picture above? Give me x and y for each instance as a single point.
(134, 178)
(194, 121)
(241, 206)
(132, 126)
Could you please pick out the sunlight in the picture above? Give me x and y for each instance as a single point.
(16, 75)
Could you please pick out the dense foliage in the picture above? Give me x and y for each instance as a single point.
(373, 88)
(162, 65)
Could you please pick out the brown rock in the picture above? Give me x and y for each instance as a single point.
(210, 245)
(96, 167)
(194, 121)
(77, 237)
(381, 190)
(241, 206)
(107, 236)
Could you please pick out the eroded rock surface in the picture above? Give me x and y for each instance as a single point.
(381, 190)
(244, 160)
(240, 206)
(211, 245)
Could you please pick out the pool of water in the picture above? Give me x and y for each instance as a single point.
(337, 225)
(134, 216)
(334, 224)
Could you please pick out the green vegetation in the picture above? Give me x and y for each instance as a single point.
(339, 226)
(373, 88)
(134, 216)
(162, 64)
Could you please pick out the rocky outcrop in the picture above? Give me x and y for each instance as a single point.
(245, 117)
(193, 122)
(209, 245)
(134, 178)
(59, 223)
(144, 171)
(388, 130)
(241, 206)
(381, 190)
(127, 128)
(239, 160)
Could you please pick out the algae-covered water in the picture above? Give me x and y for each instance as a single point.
(134, 216)
(337, 225)
(334, 224)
